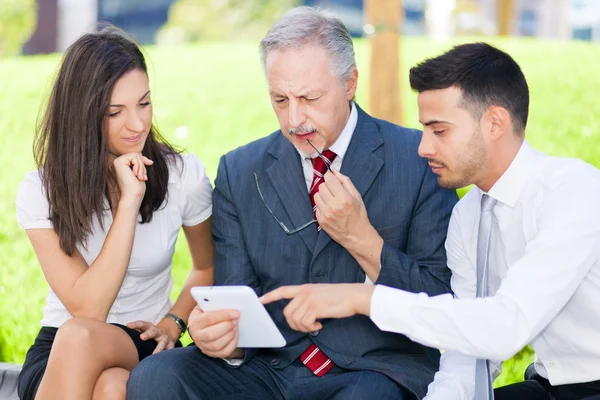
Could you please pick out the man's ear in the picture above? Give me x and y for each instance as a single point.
(351, 83)
(499, 122)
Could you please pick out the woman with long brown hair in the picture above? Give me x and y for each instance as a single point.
(103, 212)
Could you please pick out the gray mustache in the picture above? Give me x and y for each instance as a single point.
(301, 129)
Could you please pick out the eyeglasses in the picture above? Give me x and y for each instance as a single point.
(281, 224)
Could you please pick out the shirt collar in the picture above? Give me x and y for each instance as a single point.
(510, 185)
(341, 144)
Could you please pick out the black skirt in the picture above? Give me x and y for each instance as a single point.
(38, 354)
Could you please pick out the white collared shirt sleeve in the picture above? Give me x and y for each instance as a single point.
(32, 203)
(565, 246)
(196, 191)
(455, 379)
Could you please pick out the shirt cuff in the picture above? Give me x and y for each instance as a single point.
(391, 309)
(40, 224)
(234, 362)
(369, 281)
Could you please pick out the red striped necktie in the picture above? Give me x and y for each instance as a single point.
(316, 360)
(313, 357)
(320, 165)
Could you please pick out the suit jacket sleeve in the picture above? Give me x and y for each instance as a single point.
(423, 267)
(232, 263)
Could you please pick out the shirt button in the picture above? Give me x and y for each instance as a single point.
(275, 362)
(551, 364)
(315, 333)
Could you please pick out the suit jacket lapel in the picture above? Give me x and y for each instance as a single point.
(360, 164)
(287, 179)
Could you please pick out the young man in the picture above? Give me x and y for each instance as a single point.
(523, 246)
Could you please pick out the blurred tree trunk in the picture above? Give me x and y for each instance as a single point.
(505, 11)
(384, 16)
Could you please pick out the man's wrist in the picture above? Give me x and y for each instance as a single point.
(366, 247)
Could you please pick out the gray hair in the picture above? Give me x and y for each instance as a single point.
(304, 25)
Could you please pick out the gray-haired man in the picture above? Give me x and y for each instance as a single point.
(334, 196)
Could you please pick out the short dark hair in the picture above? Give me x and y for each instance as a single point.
(486, 75)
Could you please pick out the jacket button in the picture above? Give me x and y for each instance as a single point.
(315, 333)
(275, 361)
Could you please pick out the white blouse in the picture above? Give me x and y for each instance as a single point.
(145, 292)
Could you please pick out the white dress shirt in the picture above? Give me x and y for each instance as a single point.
(146, 289)
(546, 257)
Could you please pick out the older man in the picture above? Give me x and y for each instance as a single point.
(334, 196)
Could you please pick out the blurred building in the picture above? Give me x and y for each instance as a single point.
(584, 20)
(351, 12)
(553, 19)
(140, 18)
(60, 22)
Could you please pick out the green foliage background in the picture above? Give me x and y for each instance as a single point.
(193, 20)
(17, 24)
(217, 92)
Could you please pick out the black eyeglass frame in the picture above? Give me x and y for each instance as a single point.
(281, 224)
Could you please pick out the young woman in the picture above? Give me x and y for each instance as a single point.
(103, 213)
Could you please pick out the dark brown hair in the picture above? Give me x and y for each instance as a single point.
(70, 146)
(486, 76)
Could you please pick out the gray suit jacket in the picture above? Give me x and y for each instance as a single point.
(404, 203)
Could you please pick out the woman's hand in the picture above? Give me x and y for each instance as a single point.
(150, 331)
(130, 173)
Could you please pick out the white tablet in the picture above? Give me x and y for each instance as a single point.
(257, 329)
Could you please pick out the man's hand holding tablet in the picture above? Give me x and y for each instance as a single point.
(216, 333)
(229, 319)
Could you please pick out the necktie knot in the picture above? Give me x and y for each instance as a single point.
(320, 163)
(487, 203)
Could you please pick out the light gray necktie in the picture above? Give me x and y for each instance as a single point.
(483, 377)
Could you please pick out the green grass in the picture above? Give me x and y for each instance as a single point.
(218, 93)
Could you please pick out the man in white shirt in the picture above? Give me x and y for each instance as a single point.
(530, 230)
